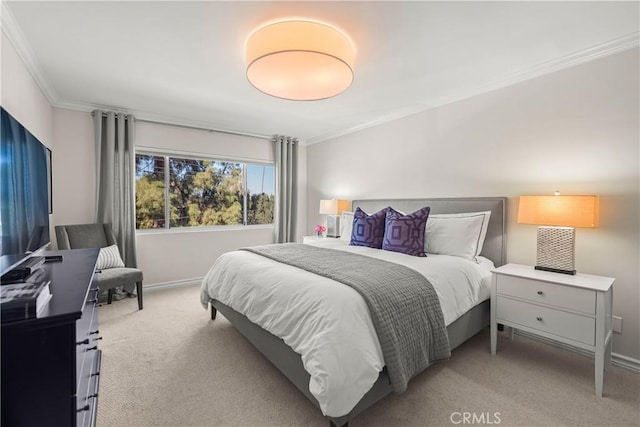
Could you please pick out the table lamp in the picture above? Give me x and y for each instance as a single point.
(333, 208)
(556, 217)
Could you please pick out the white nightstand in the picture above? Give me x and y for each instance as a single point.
(311, 239)
(575, 310)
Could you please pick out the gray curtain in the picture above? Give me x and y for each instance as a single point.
(115, 179)
(285, 215)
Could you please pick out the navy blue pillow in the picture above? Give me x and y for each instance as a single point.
(405, 233)
(368, 230)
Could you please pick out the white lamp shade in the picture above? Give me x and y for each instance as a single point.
(334, 207)
(567, 211)
(300, 60)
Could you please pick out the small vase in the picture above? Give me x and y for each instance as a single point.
(319, 233)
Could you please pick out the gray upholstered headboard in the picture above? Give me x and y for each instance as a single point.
(495, 243)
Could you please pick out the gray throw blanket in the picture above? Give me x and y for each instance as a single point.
(404, 307)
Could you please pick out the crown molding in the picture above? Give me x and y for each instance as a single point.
(17, 39)
(620, 44)
(395, 115)
(144, 116)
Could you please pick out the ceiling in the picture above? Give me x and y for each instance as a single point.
(183, 62)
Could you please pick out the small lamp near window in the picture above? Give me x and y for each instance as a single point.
(557, 216)
(333, 208)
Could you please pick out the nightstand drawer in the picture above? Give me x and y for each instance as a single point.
(568, 297)
(556, 322)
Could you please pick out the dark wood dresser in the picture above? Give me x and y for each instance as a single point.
(51, 364)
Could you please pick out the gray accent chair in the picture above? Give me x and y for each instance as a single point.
(100, 236)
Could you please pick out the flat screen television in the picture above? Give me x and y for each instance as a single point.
(24, 193)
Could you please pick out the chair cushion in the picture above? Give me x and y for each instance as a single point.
(112, 277)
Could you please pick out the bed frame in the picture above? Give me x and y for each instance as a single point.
(472, 322)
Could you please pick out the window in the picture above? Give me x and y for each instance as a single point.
(190, 192)
(150, 194)
(260, 194)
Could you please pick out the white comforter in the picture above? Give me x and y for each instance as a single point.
(328, 323)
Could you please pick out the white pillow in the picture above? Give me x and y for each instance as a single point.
(459, 235)
(109, 257)
(346, 226)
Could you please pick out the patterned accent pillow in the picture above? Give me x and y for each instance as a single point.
(109, 257)
(405, 233)
(368, 230)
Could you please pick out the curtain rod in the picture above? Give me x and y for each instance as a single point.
(229, 132)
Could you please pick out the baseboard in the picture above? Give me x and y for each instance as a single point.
(173, 284)
(616, 359)
(625, 362)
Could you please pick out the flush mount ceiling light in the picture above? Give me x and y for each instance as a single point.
(300, 60)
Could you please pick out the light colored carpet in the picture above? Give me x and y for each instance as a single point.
(170, 365)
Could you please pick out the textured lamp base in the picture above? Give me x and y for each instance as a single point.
(333, 225)
(556, 250)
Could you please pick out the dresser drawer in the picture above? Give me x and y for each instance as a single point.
(567, 297)
(86, 354)
(87, 402)
(561, 323)
(86, 334)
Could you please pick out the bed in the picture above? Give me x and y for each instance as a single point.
(460, 326)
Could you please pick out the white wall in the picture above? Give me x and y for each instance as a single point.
(74, 168)
(22, 97)
(575, 131)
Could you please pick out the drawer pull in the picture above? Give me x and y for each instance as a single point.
(91, 396)
(93, 348)
(85, 341)
(94, 332)
(539, 318)
(95, 374)
(92, 301)
(84, 408)
(96, 339)
(540, 292)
